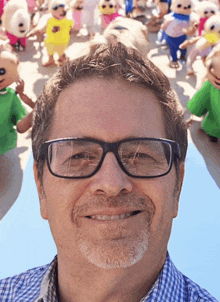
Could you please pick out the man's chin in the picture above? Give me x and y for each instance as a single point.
(114, 254)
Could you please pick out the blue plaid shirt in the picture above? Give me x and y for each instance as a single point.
(40, 285)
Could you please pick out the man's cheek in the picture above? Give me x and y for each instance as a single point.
(164, 208)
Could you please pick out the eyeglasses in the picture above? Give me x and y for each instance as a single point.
(82, 157)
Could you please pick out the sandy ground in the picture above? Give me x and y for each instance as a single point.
(35, 76)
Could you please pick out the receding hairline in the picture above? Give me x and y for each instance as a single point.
(110, 79)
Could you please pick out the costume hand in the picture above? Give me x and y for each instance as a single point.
(20, 90)
(20, 87)
(189, 122)
(190, 30)
(31, 33)
(24, 124)
(188, 42)
(55, 29)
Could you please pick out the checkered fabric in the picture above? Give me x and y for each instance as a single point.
(40, 285)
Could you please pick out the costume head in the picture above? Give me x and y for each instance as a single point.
(216, 2)
(206, 9)
(58, 8)
(107, 7)
(183, 7)
(8, 66)
(140, 4)
(212, 29)
(32, 5)
(76, 4)
(212, 63)
(16, 19)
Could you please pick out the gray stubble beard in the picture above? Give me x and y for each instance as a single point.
(121, 252)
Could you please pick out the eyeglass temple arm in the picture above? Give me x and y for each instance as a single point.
(176, 149)
(42, 151)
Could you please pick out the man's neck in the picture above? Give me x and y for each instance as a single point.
(93, 284)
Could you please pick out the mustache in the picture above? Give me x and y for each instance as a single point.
(126, 201)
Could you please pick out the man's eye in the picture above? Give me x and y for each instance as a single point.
(81, 156)
(2, 71)
(179, 5)
(55, 7)
(142, 155)
(138, 157)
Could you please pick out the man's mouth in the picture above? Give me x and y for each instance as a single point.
(22, 31)
(2, 80)
(217, 83)
(113, 217)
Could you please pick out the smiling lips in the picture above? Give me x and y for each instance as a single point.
(113, 217)
(2, 80)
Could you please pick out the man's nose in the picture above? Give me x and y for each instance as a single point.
(110, 179)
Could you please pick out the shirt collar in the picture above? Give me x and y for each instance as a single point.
(168, 278)
(169, 285)
(48, 292)
(3, 91)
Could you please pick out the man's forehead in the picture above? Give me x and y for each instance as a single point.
(107, 96)
(110, 85)
(115, 106)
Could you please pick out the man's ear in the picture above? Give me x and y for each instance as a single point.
(41, 194)
(178, 188)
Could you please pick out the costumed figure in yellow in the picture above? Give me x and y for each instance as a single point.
(58, 34)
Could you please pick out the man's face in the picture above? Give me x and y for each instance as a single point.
(87, 216)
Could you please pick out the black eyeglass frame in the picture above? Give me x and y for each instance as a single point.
(109, 147)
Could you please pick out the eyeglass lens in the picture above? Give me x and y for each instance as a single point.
(79, 158)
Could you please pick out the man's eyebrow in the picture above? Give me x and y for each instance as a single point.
(124, 138)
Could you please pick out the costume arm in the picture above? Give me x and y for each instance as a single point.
(50, 27)
(24, 124)
(198, 104)
(188, 42)
(22, 95)
(167, 20)
(41, 26)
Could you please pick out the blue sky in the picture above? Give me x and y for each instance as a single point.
(26, 241)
